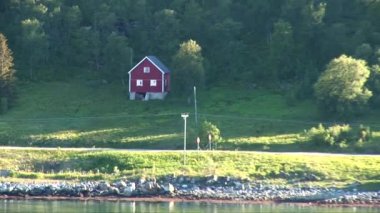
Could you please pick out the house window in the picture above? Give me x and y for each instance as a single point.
(146, 69)
(153, 83)
(139, 83)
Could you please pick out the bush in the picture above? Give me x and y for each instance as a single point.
(209, 128)
(340, 136)
(341, 88)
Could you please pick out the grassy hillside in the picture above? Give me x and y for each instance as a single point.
(72, 165)
(87, 114)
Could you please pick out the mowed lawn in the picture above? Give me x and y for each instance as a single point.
(81, 114)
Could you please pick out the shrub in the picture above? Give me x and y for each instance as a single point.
(338, 135)
(341, 89)
(209, 128)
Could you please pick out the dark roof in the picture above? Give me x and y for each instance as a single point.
(158, 63)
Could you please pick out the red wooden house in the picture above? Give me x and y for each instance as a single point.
(149, 79)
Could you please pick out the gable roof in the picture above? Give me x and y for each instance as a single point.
(158, 63)
(155, 61)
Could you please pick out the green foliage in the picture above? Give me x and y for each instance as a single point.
(49, 34)
(339, 135)
(340, 90)
(35, 44)
(188, 69)
(364, 51)
(374, 85)
(118, 57)
(7, 74)
(209, 128)
(281, 59)
(259, 41)
(166, 33)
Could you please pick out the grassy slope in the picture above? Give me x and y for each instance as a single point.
(77, 114)
(74, 114)
(73, 165)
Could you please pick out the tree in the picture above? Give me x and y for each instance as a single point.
(210, 128)
(117, 57)
(282, 52)
(192, 19)
(374, 85)
(341, 87)
(227, 62)
(165, 35)
(188, 70)
(7, 72)
(35, 44)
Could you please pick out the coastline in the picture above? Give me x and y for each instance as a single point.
(211, 189)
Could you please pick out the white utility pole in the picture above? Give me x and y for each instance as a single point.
(184, 116)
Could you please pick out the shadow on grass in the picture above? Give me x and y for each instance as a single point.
(373, 185)
(294, 147)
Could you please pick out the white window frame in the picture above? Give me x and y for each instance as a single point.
(146, 69)
(153, 83)
(139, 82)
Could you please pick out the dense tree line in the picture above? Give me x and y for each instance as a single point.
(286, 42)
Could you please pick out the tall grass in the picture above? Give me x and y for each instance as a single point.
(115, 164)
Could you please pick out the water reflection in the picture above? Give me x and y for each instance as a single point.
(184, 207)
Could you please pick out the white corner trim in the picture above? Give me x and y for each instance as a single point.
(130, 80)
(162, 82)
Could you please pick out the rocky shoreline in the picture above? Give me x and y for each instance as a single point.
(190, 188)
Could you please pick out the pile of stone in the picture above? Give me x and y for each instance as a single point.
(212, 187)
(87, 189)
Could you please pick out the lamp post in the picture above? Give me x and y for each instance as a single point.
(184, 116)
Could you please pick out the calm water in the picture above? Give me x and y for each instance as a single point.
(123, 206)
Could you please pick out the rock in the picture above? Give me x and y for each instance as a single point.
(236, 189)
(103, 186)
(238, 185)
(248, 186)
(129, 190)
(113, 190)
(180, 179)
(212, 179)
(120, 184)
(148, 186)
(169, 188)
(142, 180)
(193, 180)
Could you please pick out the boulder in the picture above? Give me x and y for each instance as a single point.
(103, 186)
(120, 184)
(129, 190)
(113, 190)
(168, 188)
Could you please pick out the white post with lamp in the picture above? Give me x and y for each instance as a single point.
(184, 116)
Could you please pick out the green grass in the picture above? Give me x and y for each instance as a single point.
(87, 165)
(75, 114)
